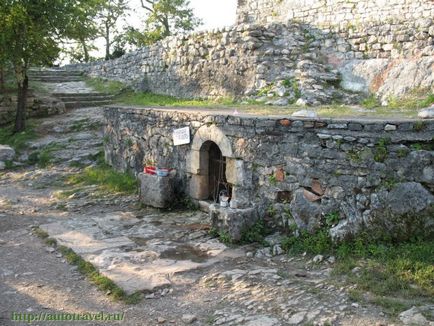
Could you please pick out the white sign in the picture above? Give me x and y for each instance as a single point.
(181, 136)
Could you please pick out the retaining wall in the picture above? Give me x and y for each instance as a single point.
(295, 171)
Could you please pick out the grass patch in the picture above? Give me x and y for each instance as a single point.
(44, 157)
(391, 273)
(150, 99)
(102, 282)
(255, 234)
(106, 86)
(107, 178)
(19, 140)
(40, 233)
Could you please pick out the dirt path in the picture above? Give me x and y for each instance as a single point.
(242, 289)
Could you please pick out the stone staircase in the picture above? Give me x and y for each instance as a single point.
(81, 100)
(55, 75)
(69, 86)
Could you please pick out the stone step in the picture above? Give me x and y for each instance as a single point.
(54, 73)
(84, 104)
(57, 79)
(72, 98)
(79, 95)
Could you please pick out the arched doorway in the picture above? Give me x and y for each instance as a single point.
(211, 164)
(217, 182)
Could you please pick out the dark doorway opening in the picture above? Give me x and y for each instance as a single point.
(217, 174)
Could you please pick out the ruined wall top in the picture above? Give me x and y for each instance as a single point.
(332, 13)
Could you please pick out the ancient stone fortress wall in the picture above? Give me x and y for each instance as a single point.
(234, 61)
(323, 52)
(358, 29)
(349, 173)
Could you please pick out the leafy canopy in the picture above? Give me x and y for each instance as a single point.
(166, 17)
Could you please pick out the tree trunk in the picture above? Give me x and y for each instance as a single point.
(20, 120)
(2, 79)
(166, 26)
(85, 50)
(107, 42)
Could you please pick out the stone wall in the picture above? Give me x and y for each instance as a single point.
(235, 61)
(354, 28)
(279, 63)
(308, 172)
(37, 106)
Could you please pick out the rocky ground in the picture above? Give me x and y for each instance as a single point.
(184, 275)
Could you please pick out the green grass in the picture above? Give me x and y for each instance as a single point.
(108, 179)
(392, 274)
(150, 99)
(106, 86)
(18, 141)
(44, 157)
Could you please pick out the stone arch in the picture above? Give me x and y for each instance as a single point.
(214, 134)
(198, 161)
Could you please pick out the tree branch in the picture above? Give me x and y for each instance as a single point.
(146, 7)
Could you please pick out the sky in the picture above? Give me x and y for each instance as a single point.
(214, 13)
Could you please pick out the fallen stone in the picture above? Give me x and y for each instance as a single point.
(310, 196)
(161, 320)
(301, 102)
(413, 317)
(332, 259)
(281, 102)
(318, 259)
(2, 165)
(188, 319)
(7, 153)
(297, 318)
(427, 113)
(305, 114)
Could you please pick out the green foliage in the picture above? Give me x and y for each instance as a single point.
(388, 269)
(40, 233)
(83, 29)
(317, 243)
(223, 236)
(150, 99)
(272, 179)
(381, 152)
(109, 14)
(44, 157)
(419, 125)
(165, 17)
(106, 86)
(107, 178)
(371, 102)
(19, 140)
(332, 219)
(255, 234)
(354, 156)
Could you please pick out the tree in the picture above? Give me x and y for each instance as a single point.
(166, 17)
(84, 28)
(31, 31)
(110, 13)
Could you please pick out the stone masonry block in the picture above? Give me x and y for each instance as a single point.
(156, 191)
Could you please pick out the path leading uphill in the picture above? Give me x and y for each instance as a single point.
(184, 275)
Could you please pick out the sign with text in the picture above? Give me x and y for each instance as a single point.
(181, 136)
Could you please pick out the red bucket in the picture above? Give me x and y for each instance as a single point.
(150, 170)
